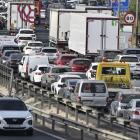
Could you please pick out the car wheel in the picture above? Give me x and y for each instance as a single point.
(106, 110)
(29, 132)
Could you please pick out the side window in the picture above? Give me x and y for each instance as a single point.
(48, 70)
(56, 78)
(130, 104)
(23, 59)
(35, 68)
(117, 96)
(77, 88)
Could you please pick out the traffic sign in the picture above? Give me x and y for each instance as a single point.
(129, 18)
(113, 1)
(124, 5)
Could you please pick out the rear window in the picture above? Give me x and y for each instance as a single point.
(25, 38)
(135, 76)
(94, 67)
(82, 62)
(133, 51)
(35, 44)
(138, 104)
(17, 57)
(127, 98)
(93, 88)
(114, 70)
(66, 78)
(73, 83)
(26, 32)
(10, 48)
(9, 53)
(61, 70)
(43, 68)
(67, 58)
(49, 50)
(130, 59)
(111, 54)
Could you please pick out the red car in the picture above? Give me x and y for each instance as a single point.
(80, 65)
(63, 59)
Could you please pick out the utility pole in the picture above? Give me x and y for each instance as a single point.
(137, 20)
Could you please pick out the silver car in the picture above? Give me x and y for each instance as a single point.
(81, 74)
(122, 99)
(132, 110)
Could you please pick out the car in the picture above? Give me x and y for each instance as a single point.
(135, 78)
(37, 72)
(33, 47)
(22, 40)
(132, 110)
(14, 60)
(109, 54)
(6, 54)
(59, 80)
(92, 93)
(1, 23)
(13, 112)
(51, 73)
(122, 99)
(81, 74)
(91, 72)
(25, 32)
(79, 65)
(51, 52)
(67, 88)
(132, 60)
(8, 47)
(63, 59)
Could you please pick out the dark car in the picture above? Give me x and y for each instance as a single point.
(14, 60)
(1, 23)
(8, 47)
(109, 54)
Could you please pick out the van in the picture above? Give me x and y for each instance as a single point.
(29, 63)
(92, 93)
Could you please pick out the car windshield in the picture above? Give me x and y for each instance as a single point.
(133, 51)
(25, 38)
(49, 50)
(93, 88)
(10, 48)
(26, 32)
(138, 104)
(67, 57)
(111, 54)
(130, 59)
(114, 70)
(61, 70)
(12, 105)
(17, 57)
(43, 68)
(35, 44)
(66, 78)
(81, 62)
(135, 76)
(9, 53)
(126, 98)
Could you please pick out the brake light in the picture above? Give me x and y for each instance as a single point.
(37, 73)
(70, 88)
(91, 71)
(27, 69)
(33, 35)
(42, 54)
(136, 113)
(12, 34)
(4, 58)
(19, 41)
(122, 60)
(57, 54)
(138, 64)
(107, 99)
(60, 85)
(79, 99)
(11, 62)
(1, 53)
(28, 48)
(50, 76)
(121, 98)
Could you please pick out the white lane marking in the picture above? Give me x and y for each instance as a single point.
(49, 134)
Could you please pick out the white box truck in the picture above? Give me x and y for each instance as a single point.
(92, 32)
(59, 27)
(95, 9)
(20, 16)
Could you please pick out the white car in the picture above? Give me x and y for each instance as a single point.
(26, 32)
(59, 80)
(92, 69)
(132, 60)
(22, 40)
(33, 47)
(37, 72)
(14, 116)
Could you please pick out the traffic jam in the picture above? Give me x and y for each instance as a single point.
(90, 58)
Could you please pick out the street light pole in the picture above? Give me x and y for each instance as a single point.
(137, 20)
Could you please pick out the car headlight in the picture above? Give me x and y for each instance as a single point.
(29, 117)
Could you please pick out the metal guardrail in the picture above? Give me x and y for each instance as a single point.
(6, 74)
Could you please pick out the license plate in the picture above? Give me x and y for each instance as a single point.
(14, 126)
(17, 62)
(88, 102)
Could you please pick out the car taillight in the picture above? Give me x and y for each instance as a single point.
(50, 76)
(11, 62)
(91, 71)
(42, 54)
(38, 73)
(27, 69)
(57, 54)
(28, 48)
(19, 41)
(1, 53)
(33, 35)
(107, 99)
(4, 58)
(70, 88)
(138, 64)
(12, 34)
(79, 99)
(136, 113)
(60, 85)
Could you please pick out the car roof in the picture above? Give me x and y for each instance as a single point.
(58, 66)
(69, 76)
(11, 51)
(44, 65)
(74, 73)
(10, 46)
(26, 29)
(90, 81)
(131, 49)
(10, 98)
(127, 55)
(33, 41)
(70, 80)
(50, 48)
(94, 64)
(80, 59)
(136, 99)
(68, 55)
(24, 35)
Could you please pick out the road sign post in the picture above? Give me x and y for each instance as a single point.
(137, 20)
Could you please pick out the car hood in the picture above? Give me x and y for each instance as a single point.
(17, 114)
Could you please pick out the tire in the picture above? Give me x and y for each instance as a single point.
(106, 110)
(29, 132)
(19, 73)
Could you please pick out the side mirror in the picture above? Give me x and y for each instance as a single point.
(20, 63)
(31, 70)
(52, 81)
(30, 109)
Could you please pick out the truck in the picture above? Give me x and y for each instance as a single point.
(20, 16)
(7, 40)
(37, 11)
(59, 27)
(92, 32)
